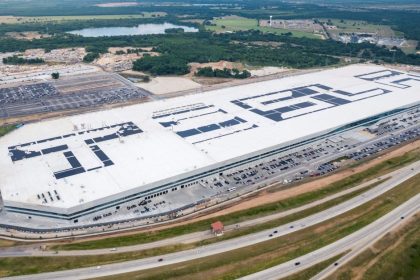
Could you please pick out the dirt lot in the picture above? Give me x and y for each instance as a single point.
(27, 35)
(270, 70)
(65, 113)
(121, 62)
(162, 85)
(216, 65)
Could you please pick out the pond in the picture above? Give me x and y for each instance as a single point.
(141, 29)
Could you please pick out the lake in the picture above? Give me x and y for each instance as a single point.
(141, 29)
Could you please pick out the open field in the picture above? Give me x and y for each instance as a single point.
(40, 19)
(244, 261)
(395, 256)
(409, 46)
(27, 35)
(394, 6)
(163, 85)
(357, 26)
(239, 24)
(7, 243)
(294, 199)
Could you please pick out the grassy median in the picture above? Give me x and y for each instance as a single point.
(252, 213)
(6, 129)
(244, 261)
(313, 270)
(395, 256)
(234, 263)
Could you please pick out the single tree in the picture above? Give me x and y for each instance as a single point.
(55, 75)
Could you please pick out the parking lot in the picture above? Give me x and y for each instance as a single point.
(323, 157)
(67, 94)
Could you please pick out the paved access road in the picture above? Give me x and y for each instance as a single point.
(235, 243)
(356, 242)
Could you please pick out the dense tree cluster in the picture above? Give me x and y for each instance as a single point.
(329, 47)
(55, 75)
(246, 46)
(90, 57)
(174, 30)
(180, 49)
(162, 65)
(20, 60)
(222, 73)
(404, 20)
(97, 48)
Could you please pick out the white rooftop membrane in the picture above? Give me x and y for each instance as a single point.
(193, 132)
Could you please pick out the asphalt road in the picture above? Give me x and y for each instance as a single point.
(239, 242)
(356, 242)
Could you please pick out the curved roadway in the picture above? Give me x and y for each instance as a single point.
(356, 242)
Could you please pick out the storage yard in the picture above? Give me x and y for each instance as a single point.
(158, 160)
(16, 74)
(71, 92)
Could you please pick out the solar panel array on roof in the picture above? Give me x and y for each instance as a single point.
(20, 152)
(145, 146)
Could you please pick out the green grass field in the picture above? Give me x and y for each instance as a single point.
(394, 256)
(6, 129)
(21, 20)
(350, 26)
(233, 24)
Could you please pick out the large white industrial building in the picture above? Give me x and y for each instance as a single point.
(69, 167)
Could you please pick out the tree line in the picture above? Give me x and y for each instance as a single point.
(17, 60)
(222, 73)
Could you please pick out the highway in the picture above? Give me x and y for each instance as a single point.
(232, 244)
(357, 242)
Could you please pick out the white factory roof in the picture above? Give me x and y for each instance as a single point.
(166, 138)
